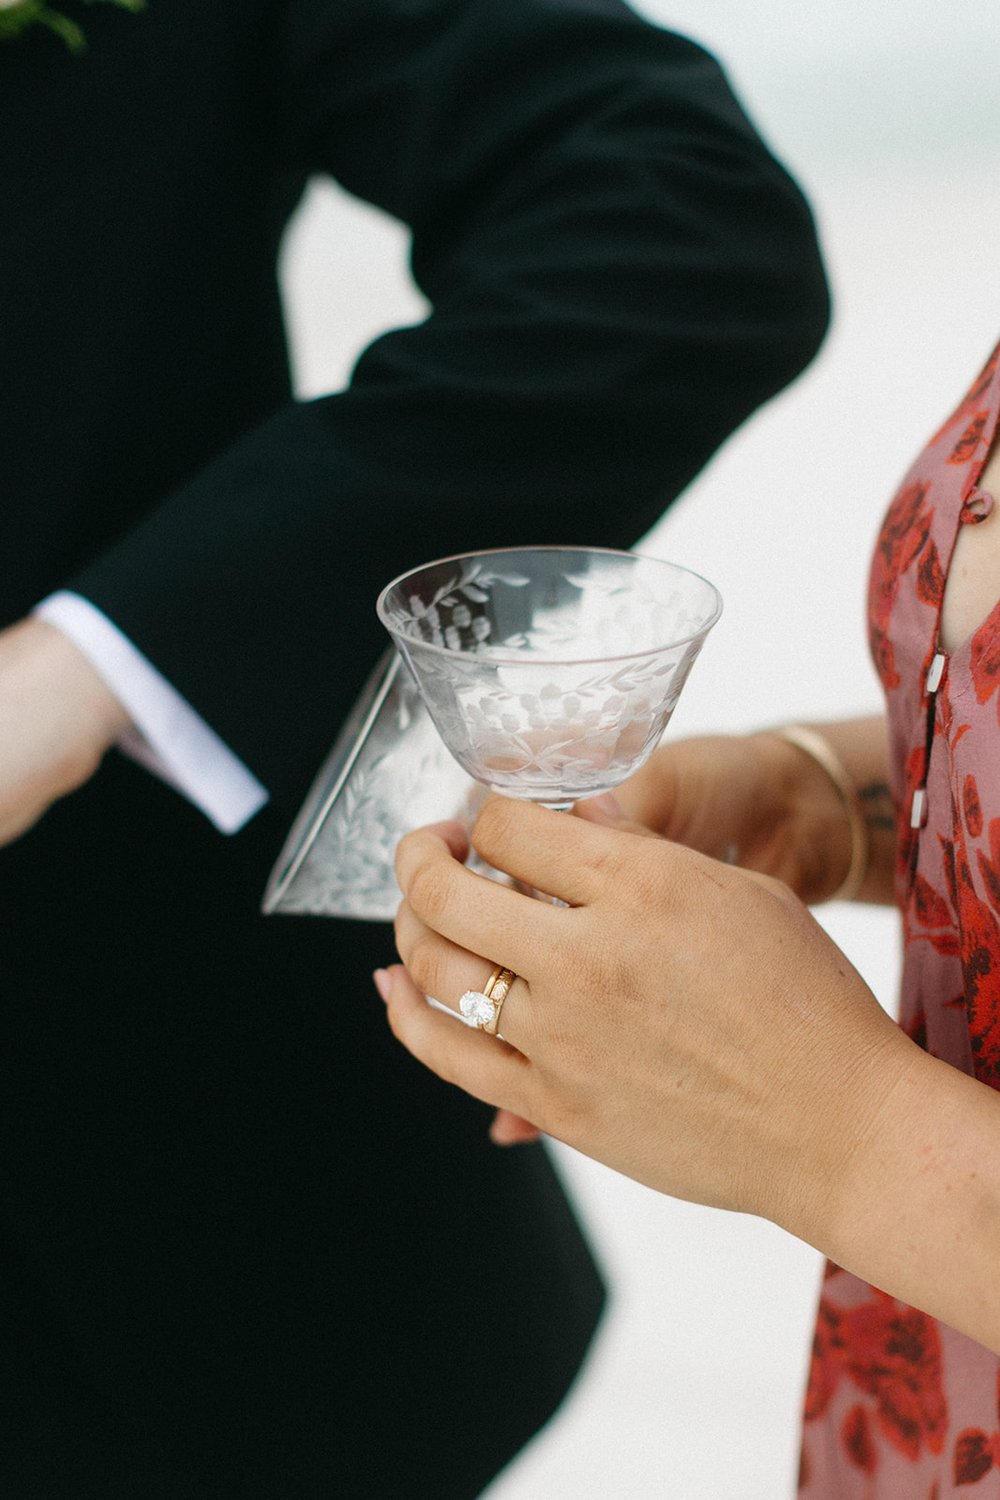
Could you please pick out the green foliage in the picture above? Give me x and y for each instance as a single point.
(15, 19)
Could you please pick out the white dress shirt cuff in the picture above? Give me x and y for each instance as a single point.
(168, 737)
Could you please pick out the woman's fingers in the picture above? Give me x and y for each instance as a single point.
(454, 835)
(485, 1066)
(511, 1130)
(582, 863)
(447, 971)
(570, 858)
(470, 910)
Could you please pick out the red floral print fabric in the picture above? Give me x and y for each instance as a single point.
(898, 1406)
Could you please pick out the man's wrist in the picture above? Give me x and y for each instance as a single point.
(57, 719)
(166, 734)
(91, 717)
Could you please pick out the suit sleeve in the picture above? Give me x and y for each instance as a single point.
(165, 735)
(618, 271)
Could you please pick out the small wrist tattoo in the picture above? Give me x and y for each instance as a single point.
(878, 807)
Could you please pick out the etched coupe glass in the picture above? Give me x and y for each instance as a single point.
(550, 673)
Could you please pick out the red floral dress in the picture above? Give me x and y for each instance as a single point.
(899, 1406)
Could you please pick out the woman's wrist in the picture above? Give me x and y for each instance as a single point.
(822, 753)
(808, 814)
(833, 780)
(915, 1208)
(897, 1178)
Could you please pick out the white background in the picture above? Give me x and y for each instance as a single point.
(888, 116)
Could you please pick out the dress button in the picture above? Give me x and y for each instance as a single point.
(936, 672)
(918, 808)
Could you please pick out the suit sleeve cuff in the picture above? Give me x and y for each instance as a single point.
(168, 737)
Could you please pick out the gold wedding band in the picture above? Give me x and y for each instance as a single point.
(496, 989)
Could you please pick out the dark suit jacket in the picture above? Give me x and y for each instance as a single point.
(248, 1247)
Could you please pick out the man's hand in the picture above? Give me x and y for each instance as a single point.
(57, 719)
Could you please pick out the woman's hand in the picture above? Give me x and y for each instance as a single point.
(679, 1019)
(761, 803)
(691, 1025)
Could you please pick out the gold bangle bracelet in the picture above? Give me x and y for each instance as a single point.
(819, 749)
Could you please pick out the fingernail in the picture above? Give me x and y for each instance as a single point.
(383, 983)
(608, 804)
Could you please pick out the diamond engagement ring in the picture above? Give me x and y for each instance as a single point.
(481, 1008)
